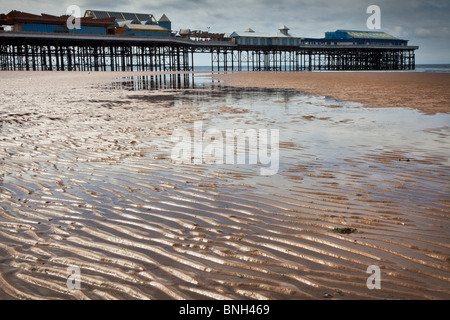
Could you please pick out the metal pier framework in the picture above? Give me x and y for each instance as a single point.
(308, 58)
(30, 51)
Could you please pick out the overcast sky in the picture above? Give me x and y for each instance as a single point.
(424, 23)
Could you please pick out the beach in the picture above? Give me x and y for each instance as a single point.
(87, 183)
(426, 91)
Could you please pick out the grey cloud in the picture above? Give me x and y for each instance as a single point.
(424, 23)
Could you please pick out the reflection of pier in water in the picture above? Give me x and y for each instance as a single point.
(183, 81)
(193, 88)
(161, 81)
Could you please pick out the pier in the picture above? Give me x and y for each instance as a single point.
(27, 51)
(114, 41)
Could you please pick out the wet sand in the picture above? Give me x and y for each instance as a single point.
(86, 180)
(428, 92)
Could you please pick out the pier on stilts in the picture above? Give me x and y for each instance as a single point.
(22, 51)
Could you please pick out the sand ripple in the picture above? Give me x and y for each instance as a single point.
(183, 242)
(144, 228)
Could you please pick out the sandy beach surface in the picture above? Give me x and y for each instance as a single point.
(426, 91)
(87, 183)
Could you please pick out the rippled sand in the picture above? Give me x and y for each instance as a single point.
(86, 180)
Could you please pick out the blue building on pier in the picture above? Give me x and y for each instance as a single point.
(353, 37)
